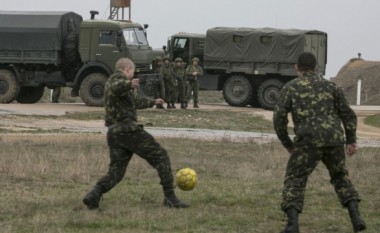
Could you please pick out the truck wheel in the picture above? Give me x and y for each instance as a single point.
(146, 90)
(9, 86)
(237, 91)
(30, 95)
(146, 87)
(269, 92)
(92, 89)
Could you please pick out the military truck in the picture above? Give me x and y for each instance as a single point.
(51, 49)
(249, 65)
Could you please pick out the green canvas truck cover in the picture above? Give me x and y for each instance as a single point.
(26, 30)
(255, 44)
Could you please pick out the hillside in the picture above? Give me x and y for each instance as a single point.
(368, 72)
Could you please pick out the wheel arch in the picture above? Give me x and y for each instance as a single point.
(85, 70)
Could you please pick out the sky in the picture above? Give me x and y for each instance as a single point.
(352, 25)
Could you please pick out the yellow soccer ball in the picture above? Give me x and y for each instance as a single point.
(186, 179)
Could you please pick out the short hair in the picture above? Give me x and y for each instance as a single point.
(306, 61)
(124, 63)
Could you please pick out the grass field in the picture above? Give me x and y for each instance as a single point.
(373, 120)
(43, 178)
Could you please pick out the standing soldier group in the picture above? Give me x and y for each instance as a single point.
(175, 83)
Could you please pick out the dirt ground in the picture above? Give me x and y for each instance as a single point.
(11, 117)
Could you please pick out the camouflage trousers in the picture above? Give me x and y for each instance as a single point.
(302, 163)
(181, 90)
(158, 91)
(123, 141)
(168, 92)
(56, 94)
(193, 87)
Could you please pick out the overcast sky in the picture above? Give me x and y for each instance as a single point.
(352, 25)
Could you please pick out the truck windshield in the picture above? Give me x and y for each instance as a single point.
(135, 36)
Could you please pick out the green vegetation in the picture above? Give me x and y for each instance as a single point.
(205, 119)
(373, 120)
(44, 178)
(44, 174)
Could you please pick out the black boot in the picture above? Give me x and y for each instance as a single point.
(357, 223)
(185, 103)
(183, 106)
(92, 198)
(292, 225)
(172, 201)
(196, 105)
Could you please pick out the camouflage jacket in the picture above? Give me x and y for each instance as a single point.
(167, 73)
(179, 73)
(121, 101)
(318, 108)
(189, 72)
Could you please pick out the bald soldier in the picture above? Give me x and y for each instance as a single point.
(125, 137)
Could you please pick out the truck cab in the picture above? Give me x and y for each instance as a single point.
(187, 46)
(60, 49)
(101, 44)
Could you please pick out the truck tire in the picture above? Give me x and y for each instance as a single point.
(92, 89)
(237, 91)
(146, 87)
(30, 95)
(269, 92)
(9, 87)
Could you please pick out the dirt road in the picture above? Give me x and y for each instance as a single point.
(12, 119)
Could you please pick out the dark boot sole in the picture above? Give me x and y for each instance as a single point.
(90, 205)
(359, 227)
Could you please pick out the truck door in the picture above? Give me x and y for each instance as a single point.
(181, 48)
(106, 51)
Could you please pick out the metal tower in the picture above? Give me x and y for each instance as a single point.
(117, 6)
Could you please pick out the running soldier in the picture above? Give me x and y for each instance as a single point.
(125, 137)
(318, 108)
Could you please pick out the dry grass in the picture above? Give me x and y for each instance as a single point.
(44, 177)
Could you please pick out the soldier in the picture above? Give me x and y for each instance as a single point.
(318, 109)
(193, 72)
(179, 73)
(125, 137)
(56, 94)
(158, 84)
(168, 76)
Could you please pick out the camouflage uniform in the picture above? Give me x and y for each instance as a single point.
(56, 94)
(318, 108)
(167, 75)
(193, 80)
(158, 84)
(125, 137)
(179, 73)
